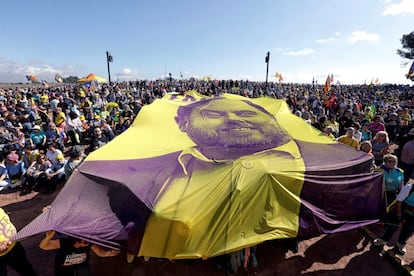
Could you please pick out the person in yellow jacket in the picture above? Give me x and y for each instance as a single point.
(12, 253)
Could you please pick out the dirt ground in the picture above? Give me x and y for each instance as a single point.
(347, 253)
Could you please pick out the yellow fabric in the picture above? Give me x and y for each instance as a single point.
(158, 132)
(277, 173)
(7, 230)
(240, 183)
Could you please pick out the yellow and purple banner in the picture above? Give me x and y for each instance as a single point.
(197, 176)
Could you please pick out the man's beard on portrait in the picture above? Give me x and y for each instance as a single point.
(270, 136)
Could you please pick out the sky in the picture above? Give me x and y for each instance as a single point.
(355, 40)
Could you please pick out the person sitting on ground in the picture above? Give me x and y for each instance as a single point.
(38, 138)
(12, 253)
(54, 134)
(55, 174)
(36, 173)
(52, 152)
(29, 155)
(72, 257)
(98, 140)
(15, 169)
(4, 177)
(75, 159)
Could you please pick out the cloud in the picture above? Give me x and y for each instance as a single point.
(363, 36)
(326, 40)
(303, 52)
(14, 72)
(128, 74)
(404, 7)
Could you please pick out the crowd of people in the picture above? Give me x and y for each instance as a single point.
(46, 132)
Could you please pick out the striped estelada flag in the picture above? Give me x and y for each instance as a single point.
(58, 78)
(45, 83)
(31, 77)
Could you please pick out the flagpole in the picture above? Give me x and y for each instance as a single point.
(267, 68)
(107, 62)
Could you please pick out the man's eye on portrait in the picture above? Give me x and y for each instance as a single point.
(246, 113)
(212, 114)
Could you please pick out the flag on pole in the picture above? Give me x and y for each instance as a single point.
(331, 78)
(279, 76)
(31, 77)
(58, 78)
(410, 74)
(327, 86)
(267, 57)
(110, 58)
(45, 83)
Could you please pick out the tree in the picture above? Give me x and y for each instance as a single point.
(407, 50)
(70, 79)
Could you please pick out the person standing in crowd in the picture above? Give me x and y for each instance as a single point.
(349, 139)
(393, 177)
(404, 216)
(72, 257)
(345, 122)
(376, 125)
(12, 253)
(380, 145)
(366, 134)
(407, 156)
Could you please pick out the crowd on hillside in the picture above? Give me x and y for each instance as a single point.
(46, 132)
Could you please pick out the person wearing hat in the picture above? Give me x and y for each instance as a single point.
(407, 157)
(38, 137)
(349, 139)
(15, 169)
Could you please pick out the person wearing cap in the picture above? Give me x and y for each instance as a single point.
(38, 137)
(12, 253)
(349, 139)
(407, 157)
